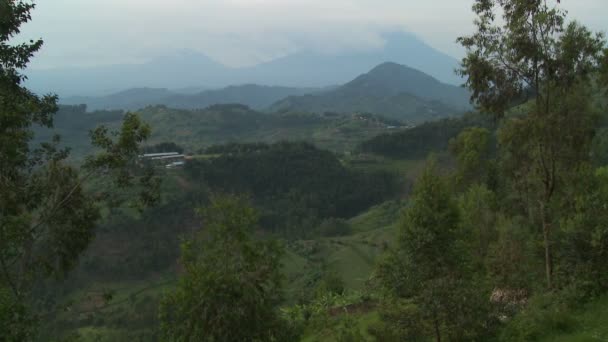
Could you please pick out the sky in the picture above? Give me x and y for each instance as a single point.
(246, 32)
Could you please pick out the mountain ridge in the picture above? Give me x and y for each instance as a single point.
(389, 89)
(193, 69)
(252, 95)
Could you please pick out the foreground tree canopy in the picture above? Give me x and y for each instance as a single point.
(519, 215)
(507, 232)
(47, 217)
(535, 58)
(231, 284)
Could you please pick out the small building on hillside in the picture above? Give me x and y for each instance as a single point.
(168, 160)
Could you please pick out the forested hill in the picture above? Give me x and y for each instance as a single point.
(251, 95)
(391, 79)
(423, 139)
(217, 124)
(389, 89)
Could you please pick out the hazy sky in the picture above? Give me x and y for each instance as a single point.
(243, 32)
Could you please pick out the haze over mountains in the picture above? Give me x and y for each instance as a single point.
(191, 69)
(390, 89)
(255, 96)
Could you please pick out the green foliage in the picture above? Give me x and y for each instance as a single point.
(604, 69)
(478, 219)
(46, 215)
(544, 315)
(128, 247)
(543, 52)
(196, 130)
(333, 227)
(472, 148)
(585, 237)
(599, 149)
(15, 321)
(330, 283)
(400, 320)
(223, 124)
(378, 216)
(229, 281)
(325, 312)
(511, 257)
(533, 51)
(163, 147)
(295, 184)
(419, 141)
(431, 268)
(73, 124)
(348, 331)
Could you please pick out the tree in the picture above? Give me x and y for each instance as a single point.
(472, 148)
(585, 249)
(478, 218)
(231, 284)
(47, 218)
(532, 51)
(429, 274)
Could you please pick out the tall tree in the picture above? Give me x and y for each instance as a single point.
(472, 149)
(231, 284)
(46, 215)
(532, 52)
(431, 268)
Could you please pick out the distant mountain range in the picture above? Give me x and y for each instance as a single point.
(254, 96)
(390, 89)
(188, 69)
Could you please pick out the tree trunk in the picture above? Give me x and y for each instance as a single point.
(437, 332)
(547, 245)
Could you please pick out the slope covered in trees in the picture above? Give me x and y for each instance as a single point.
(297, 184)
(196, 130)
(47, 213)
(419, 141)
(389, 89)
(504, 238)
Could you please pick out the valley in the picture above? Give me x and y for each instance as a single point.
(280, 171)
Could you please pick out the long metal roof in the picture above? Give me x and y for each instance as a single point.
(151, 155)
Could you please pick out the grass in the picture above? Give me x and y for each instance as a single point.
(377, 217)
(336, 325)
(352, 257)
(592, 324)
(408, 168)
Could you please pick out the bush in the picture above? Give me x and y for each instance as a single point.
(331, 283)
(545, 316)
(334, 227)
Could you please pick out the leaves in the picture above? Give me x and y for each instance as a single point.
(230, 280)
(47, 217)
(428, 277)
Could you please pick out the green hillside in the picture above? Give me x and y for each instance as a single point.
(198, 129)
(385, 209)
(391, 90)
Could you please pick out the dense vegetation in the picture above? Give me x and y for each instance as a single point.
(47, 215)
(503, 236)
(419, 141)
(296, 183)
(511, 233)
(195, 130)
